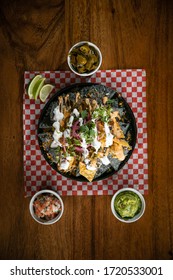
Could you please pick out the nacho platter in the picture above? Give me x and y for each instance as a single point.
(87, 132)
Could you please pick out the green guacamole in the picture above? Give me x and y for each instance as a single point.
(127, 204)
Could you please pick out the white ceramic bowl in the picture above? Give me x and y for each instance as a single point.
(39, 220)
(96, 50)
(137, 216)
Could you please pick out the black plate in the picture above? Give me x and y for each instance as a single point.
(45, 114)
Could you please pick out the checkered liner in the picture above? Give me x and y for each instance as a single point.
(37, 172)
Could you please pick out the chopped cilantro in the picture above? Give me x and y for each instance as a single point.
(92, 133)
(84, 114)
(57, 149)
(88, 131)
(102, 113)
(84, 129)
(69, 140)
(110, 101)
(77, 142)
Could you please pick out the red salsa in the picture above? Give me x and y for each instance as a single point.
(47, 206)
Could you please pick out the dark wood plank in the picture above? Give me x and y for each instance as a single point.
(130, 34)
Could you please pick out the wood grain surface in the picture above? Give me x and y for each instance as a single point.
(36, 35)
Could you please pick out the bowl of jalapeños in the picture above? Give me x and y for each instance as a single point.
(84, 59)
(128, 205)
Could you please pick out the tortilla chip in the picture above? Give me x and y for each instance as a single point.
(120, 154)
(94, 105)
(71, 162)
(88, 102)
(105, 99)
(122, 142)
(93, 162)
(78, 97)
(103, 142)
(100, 127)
(117, 151)
(61, 102)
(66, 113)
(117, 131)
(114, 115)
(89, 174)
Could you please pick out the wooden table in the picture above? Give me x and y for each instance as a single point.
(130, 34)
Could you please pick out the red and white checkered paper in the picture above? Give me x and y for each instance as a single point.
(37, 172)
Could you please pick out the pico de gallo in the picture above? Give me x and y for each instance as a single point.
(47, 206)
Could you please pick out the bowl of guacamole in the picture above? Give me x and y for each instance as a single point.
(128, 205)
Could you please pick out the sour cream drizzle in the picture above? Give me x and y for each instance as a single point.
(105, 160)
(80, 121)
(67, 133)
(89, 167)
(84, 146)
(65, 163)
(70, 121)
(58, 116)
(109, 136)
(96, 144)
(76, 113)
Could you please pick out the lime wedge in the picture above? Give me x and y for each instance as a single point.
(31, 87)
(38, 85)
(45, 91)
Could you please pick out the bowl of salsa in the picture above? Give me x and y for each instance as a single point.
(128, 205)
(46, 207)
